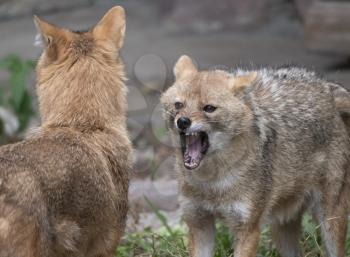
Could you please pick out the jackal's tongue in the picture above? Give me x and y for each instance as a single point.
(193, 152)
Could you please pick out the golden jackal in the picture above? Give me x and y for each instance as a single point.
(259, 147)
(63, 191)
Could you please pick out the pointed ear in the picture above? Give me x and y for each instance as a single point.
(183, 66)
(47, 33)
(243, 81)
(111, 27)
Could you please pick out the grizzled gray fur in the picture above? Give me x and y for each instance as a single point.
(260, 147)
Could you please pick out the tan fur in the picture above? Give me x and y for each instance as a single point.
(243, 81)
(247, 242)
(278, 144)
(64, 189)
(342, 96)
(184, 66)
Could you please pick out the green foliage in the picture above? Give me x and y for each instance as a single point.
(156, 244)
(223, 241)
(167, 241)
(160, 216)
(172, 241)
(14, 95)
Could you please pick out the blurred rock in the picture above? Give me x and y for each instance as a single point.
(165, 168)
(151, 72)
(135, 128)
(136, 99)
(164, 8)
(11, 8)
(150, 220)
(205, 15)
(9, 121)
(143, 161)
(327, 27)
(161, 193)
(303, 7)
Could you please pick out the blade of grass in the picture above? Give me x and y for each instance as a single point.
(160, 216)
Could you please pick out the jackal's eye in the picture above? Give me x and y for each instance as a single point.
(209, 108)
(178, 105)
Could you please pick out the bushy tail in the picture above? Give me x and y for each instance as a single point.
(342, 102)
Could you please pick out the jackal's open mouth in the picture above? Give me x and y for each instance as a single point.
(194, 146)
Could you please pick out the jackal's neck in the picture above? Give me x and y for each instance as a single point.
(84, 96)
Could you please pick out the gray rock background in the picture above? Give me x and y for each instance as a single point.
(15, 8)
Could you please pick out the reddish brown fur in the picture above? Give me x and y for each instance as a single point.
(63, 191)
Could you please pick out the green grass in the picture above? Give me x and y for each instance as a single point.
(14, 94)
(172, 241)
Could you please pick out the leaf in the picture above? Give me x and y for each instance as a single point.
(12, 63)
(1, 127)
(7, 62)
(1, 96)
(308, 225)
(30, 64)
(19, 100)
(17, 82)
(25, 111)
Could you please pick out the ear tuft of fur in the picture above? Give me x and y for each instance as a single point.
(184, 65)
(243, 81)
(39, 41)
(47, 32)
(111, 28)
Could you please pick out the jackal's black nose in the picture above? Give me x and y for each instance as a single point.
(183, 123)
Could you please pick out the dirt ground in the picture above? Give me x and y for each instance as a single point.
(152, 46)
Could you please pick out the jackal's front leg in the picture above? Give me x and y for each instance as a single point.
(246, 242)
(201, 236)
